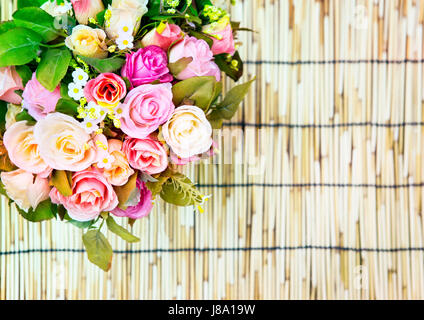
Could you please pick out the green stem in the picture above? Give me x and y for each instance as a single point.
(58, 45)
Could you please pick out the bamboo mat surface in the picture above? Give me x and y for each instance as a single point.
(317, 188)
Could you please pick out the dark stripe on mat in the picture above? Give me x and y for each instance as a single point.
(341, 61)
(324, 126)
(311, 185)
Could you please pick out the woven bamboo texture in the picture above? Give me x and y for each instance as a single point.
(317, 192)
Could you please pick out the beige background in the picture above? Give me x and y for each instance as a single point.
(335, 120)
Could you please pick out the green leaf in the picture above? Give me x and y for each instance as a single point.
(38, 21)
(180, 191)
(81, 224)
(104, 65)
(225, 65)
(200, 90)
(44, 211)
(120, 231)
(100, 17)
(18, 46)
(67, 106)
(53, 66)
(124, 192)
(30, 3)
(228, 107)
(62, 181)
(98, 249)
(176, 67)
(24, 116)
(25, 73)
(6, 26)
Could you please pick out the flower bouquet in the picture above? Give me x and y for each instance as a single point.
(101, 101)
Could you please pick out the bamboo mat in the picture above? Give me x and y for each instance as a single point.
(317, 189)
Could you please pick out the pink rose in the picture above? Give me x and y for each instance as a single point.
(163, 36)
(147, 155)
(85, 9)
(25, 189)
(146, 108)
(146, 65)
(91, 195)
(143, 203)
(23, 149)
(202, 64)
(38, 100)
(106, 90)
(222, 36)
(9, 82)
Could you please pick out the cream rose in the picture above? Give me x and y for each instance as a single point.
(120, 170)
(26, 191)
(125, 14)
(87, 42)
(188, 132)
(64, 144)
(23, 150)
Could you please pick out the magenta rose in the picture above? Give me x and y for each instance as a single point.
(146, 65)
(38, 100)
(140, 206)
(146, 108)
(10, 81)
(147, 155)
(202, 64)
(91, 195)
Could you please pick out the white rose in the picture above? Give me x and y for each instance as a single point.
(125, 14)
(188, 132)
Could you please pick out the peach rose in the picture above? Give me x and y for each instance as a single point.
(120, 170)
(9, 82)
(106, 90)
(64, 144)
(91, 195)
(87, 42)
(188, 132)
(26, 191)
(23, 150)
(85, 9)
(147, 155)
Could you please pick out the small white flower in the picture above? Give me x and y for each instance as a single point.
(89, 126)
(106, 162)
(125, 41)
(117, 111)
(95, 112)
(75, 91)
(125, 29)
(80, 77)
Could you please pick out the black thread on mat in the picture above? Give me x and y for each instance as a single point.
(176, 250)
(323, 126)
(308, 185)
(340, 61)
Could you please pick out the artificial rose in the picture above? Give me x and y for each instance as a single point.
(38, 100)
(23, 150)
(86, 9)
(125, 13)
(56, 10)
(106, 90)
(91, 195)
(26, 191)
(147, 155)
(120, 170)
(9, 82)
(163, 36)
(146, 65)
(222, 36)
(87, 42)
(202, 64)
(188, 132)
(65, 145)
(12, 112)
(143, 204)
(146, 108)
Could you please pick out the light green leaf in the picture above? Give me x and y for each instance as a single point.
(124, 192)
(176, 67)
(98, 249)
(53, 66)
(30, 3)
(81, 224)
(38, 21)
(18, 46)
(120, 231)
(228, 107)
(62, 181)
(67, 106)
(104, 65)
(44, 211)
(200, 90)
(6, 26)
(180, 191)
